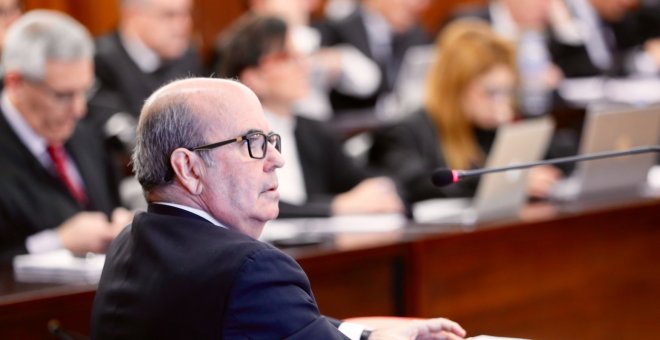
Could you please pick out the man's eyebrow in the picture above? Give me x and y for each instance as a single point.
(254, 130)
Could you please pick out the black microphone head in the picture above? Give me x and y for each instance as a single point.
(443, 177)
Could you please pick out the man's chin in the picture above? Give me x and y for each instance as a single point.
(59, 138)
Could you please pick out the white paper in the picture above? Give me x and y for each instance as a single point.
(59, 266)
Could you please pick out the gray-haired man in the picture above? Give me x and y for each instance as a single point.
(191, 267)
(58, 189)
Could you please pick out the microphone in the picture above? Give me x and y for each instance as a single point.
(443, 177)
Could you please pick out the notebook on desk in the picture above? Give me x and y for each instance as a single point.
(498, 194)
(613, 128)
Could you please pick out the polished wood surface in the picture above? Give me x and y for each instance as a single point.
(578, 276)
(577, 271)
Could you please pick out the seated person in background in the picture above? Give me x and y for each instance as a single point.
(470, 92)
(342, 68)
(58, 187)
(617, 38)
(529, 25)
(151, 47)
(320, 179)
(192, 267)
(383, 30)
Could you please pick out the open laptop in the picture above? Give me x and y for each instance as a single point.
(613, 128)
(499, 194)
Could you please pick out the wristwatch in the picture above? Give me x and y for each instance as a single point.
(365, 334)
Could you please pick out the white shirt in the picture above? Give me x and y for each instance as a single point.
(201, 213)
(595, 40)
(290, 177)
(145, 58)
(502, 21)
(359, 75)
(379, 33)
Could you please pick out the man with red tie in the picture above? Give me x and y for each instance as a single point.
(58, 187)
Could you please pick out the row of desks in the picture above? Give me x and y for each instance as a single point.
(579, 271)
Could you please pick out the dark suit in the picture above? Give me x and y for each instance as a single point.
(122, 86)
(410, 150)
(627, 36)
(32, 199)
(174, 275)
(327, 170)
(352, 31)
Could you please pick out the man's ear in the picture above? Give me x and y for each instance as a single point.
(189, 169)
(12, 79)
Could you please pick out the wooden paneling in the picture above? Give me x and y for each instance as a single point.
(210, 16)
(579, 277)
(586, 274)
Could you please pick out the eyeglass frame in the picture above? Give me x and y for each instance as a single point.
(60, 97)
(245, 137)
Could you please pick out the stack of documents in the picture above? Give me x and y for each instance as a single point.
(58, 266)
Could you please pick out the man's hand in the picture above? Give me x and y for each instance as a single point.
(541, 180)
(438, 328)
(373, 195)
(86, 232)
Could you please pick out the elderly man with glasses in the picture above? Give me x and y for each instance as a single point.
(58, 189)
(191, 267)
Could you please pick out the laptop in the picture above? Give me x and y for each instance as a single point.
(613, 128)
(499, 195)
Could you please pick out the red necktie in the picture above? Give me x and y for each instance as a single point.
(60, 160)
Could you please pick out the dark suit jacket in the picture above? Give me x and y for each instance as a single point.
(410, 150)
(352, 31)
(328, 171)
(174, 275)
(32, 199)
(122, 86)
(629, 35)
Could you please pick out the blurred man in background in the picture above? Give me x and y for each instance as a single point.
(152, 45)
(59, 189)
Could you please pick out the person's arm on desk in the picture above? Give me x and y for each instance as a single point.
(81, 233)
(373, 195)
(438, 328)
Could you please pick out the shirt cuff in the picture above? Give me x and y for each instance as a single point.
(42, 242)
(352, 330)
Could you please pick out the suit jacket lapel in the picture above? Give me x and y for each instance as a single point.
(16, 151)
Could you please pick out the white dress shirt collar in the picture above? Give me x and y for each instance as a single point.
(379, 33)
(502, 21)
(33, 141)
(145, 58)
(200, 213)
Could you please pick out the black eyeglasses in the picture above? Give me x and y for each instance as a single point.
(61, 97)
(257, 143)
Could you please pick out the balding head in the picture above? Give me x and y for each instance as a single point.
(177, 115)
(223, 177)
(164, 26)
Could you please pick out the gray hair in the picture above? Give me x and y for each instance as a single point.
(166, 123)
(42, 35)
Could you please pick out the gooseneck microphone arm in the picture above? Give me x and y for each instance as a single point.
(442, 177)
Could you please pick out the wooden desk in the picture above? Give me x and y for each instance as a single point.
(576, 276)
(590, 272)
(26, 308)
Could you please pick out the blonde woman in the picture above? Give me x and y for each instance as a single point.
(470, 91)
